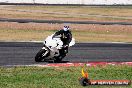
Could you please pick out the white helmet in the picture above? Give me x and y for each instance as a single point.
(66, 28)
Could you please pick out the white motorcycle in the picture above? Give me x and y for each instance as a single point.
(52, 50)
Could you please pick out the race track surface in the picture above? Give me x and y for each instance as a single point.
(60, 21)
(23, 53)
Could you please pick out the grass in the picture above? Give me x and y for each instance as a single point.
(23, 35)
(106, 10)
(37, 77)
(68, 12)
(81, 32)
(12, 34)
(80, 36)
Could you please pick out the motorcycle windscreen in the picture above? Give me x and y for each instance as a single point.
(53, 42)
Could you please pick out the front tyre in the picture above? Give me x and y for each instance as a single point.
(39, 56)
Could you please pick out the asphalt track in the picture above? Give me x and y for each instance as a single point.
(41, 4)
(61, 22)
(23, 53)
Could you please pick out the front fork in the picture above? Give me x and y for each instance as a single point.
(47, 50)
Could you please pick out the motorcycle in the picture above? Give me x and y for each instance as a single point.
(52, 49)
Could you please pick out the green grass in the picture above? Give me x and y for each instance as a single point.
(61, 77)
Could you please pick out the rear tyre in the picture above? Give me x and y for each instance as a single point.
(39, 56)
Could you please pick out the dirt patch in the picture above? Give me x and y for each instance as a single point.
(79, 27)
(67, 13)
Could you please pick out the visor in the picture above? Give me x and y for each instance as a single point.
(65, 29)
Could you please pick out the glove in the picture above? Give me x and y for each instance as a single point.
(65, 46)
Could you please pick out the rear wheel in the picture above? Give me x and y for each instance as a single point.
(40, 55)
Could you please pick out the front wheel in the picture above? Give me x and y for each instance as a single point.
(40, 55)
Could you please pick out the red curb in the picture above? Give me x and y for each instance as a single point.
(65, 64)
(87, 64)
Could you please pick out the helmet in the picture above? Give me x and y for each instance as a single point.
(66, 28)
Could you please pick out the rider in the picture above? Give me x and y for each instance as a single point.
(65, 36)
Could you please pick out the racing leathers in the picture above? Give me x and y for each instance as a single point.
(66, 38)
